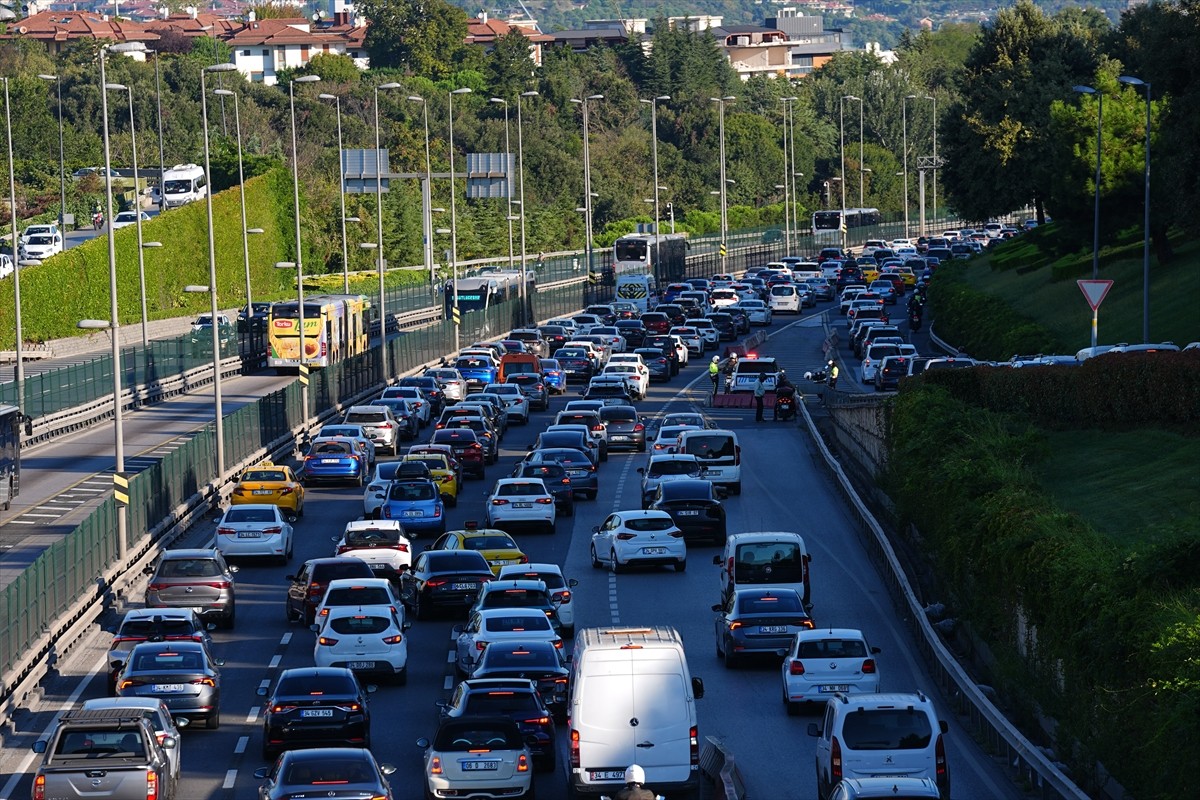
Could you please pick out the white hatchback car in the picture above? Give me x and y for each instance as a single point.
(558, 586)
(489, 625)
(758, 311)
(637, 379)
(520, 501)
(361, 593)
(668, 437)
(379, 542)
(419, 405)
(824, 661)
(370, 641)
(516, 402)
(628, 538)
(255, 529)
(691, 337)
(481, 757)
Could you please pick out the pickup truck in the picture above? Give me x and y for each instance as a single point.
(109, 753)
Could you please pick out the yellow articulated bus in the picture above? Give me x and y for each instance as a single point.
(335, 328)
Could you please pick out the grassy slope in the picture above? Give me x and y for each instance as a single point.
(1125, 484)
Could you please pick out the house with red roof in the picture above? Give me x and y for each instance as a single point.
(484, 31)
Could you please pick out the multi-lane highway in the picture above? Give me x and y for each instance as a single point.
(783, 489)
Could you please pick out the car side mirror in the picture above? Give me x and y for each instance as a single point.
(698, 688)
(782, 652)
(572, 583)
(595, 529)
(181, 722)
(40, 746)
(261, 691)
(169, 742)
(641, 470)
(716, 607)
(148, 570)
(116, 664)
(291, 578)
(233, 568)
(262, 772)
(370, 688)
(315, 628)
(942, 724)
(220, 662)
(717, 560)
(458, 628)
(813, 730)
(405, 625)
(423, 742)
(335, 539)
(876, 651)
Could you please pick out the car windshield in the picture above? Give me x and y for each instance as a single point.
(649, 524)
(528, 622)
(497, 541)
(887, 729)
(359, 624)
(241, 514)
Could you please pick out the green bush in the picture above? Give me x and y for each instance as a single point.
(980, 324)
(74, 285)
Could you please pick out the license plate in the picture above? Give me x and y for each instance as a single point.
(378, 567)
(619, 437)
(654, 551)
(330, 460)
(414, 512)
(689, 513)
(168, 688)
(263, 491)
(772, 629)
(249, 535)
(840, 687)
(361, 665)
(607, 775)
(576, 473)
(522, 505)
(463, 587)
(317, 712)
(479, 766)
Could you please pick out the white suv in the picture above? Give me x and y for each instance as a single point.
(893, 735)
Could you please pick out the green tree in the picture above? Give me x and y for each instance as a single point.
(333, 68)
(509, 66)
(936, 59)
(424, 37)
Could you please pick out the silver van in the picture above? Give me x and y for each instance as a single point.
(762, 559)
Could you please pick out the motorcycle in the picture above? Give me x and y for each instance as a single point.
(914, 322)
(98, 220)
(785, 404)
(817, 375)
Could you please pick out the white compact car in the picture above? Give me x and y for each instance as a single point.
(691, 337)
(255, 529)
(668, 437)
(480, 757)
(785, 298)
(558, 586)
(489, 625)
(360, 593)
(758, 311)
(638, 380)
(369, 641)
(824, 661)
(516, 402)
(379, 542)
(638, 538)
(418, 405)
(712, 336)
(41, 246)
(126, 218)
(520, 501)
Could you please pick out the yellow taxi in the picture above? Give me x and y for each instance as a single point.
(443, 473)
(870, 273)
(906, 274)
(270, 483)
(496, 546)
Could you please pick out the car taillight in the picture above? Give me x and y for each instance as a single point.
(279, 708)
(566, 481)
(350, 707)
(597, 427)
(523, 763)
(226, 532)
(796, 667)
(435, 583)
(39, 787)
(154, 587)
(563, 597)
(737, 455)
(435, 765)
(217, 584)
(272, 531)
(315, 589)
(387, 426)
(397, 639)
(326, 641)
(574, 751)
(151, 785)
(940, 759)
(499, 501)
(128, 684)
(446, 478)
(545, 500)
(868, 666)
(835, 760)
(286, 490)
(537, 721)
(639, 428)
(204, 682)
(694, 744)
(625, 537)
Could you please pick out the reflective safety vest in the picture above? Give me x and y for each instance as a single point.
(713, 369)
(833, 373)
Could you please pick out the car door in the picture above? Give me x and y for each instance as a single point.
(466, 642)
(298, 590)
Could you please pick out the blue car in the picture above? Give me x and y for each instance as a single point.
(553, 375)
(334, 458)
(417, 505)
(477, 372)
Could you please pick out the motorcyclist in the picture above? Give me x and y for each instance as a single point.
(833, 374)
(633, 789)
(782, 382)
(730, 368)
(714, 371)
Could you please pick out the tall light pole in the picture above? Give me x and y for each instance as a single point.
(653, 103)
(521, 192)
(842, 147)
(904, 115)
(454, 222)
(337, 102)
(62, 169)
(237, 128)
(1096, 202)
(792, 174)
(861, 204)
(786, 186)
(212, 275)
(299, 248)
(508, 184)
(426, 196)
(721, 101)
(1132, 81)
(137, 215)
(936, 166)
(587, 175)
(16, 261)
(162, 162)
(383, 359)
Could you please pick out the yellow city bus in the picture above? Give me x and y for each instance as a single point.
(335, 328)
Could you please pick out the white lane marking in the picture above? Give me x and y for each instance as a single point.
(287, 638)
(274, 662)
(49, 516)
(230, 779)
(242, 742)
(264, 683)
(252, 716)
(448, 684)
(19, 522)
(88, 489)
(50, 507)
(450, 657)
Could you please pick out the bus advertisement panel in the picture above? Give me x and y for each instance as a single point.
(334, 329)
(663, 256)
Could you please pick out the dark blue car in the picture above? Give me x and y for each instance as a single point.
(333, 459)
(553, 375)
(478, 372)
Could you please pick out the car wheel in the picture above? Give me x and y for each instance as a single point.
(793, 709)
(731, 660)
(596, 563)
(400, 679)
(613, 563)
(214, 722)
(680, 566)
(569, 509)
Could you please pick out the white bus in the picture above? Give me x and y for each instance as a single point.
(833, 229)
(183, 184)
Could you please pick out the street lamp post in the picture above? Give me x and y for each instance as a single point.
(337, 101)
(299, 248)
(935, 158)
(383, 359)
(521, 192)
(454, 221)
(721, 101)
(1096, 202)
(212, 275)
(426, 195)
(137, 215)
(587, 176)
(237, 127)
(790, 173)
(789, 195)
(1132, 81)
(508, 184)
(904, 115)
(62, 169)
(16, 261)
(162, 162)
(653, 103)
(861, 204)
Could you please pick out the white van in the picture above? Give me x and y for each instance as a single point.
(633, 701)
(719, 452)
(804, 270)
(785, 298)
(641, 290)
(766, 559)
(183, 184)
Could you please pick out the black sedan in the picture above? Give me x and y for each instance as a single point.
(575, 363)
(762, 621)
(313, 773)
(443, 579)
(570, 439)
(557, 481)
(539, 661)
(625, 428)
(315, 707)
(656, 362)
(516, 698)
(727, 329)
(633, 330)
(429, 387)
(665, 345)
(585, 483)
(534, 388)
(694, 507)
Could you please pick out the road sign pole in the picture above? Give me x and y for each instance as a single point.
(1095, 326)
(1094, 291)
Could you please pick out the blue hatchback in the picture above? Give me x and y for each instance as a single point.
(334, 458)
(417, 505)
(478, 372)
(553, 375)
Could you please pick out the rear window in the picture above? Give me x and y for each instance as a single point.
(316, 685)
(350, 568)
(783, 290)
(468, 736)
(147, 628)
(647, 524)
(236, 514)
(189, 568)
(833, 648)
(373, 537)
(360, 595)
(483, 704)
(458, 562)
(776, 604)
(495, 657)
(521, 489)
(769, 562)
(359, 624)
(887, 729)
(333, 448)
(264, 475)
(544, 471)
(412, 492)
(673, 468)
(610, 413)
(514, 624)
(711, 446)
(329, 771)
(101, 743)
(515, 598)
(498, 542)
(365, 417)
(552, 579)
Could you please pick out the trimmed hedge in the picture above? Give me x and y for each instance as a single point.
(74, 285)
(1104, 640)
(982, 325)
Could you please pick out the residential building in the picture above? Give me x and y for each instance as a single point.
(263, 48)
(484, 31)
(57, 29)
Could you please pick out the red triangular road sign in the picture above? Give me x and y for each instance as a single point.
(1094, 291)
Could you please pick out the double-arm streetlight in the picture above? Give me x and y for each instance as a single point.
(508, 184)
(904, 145)
(789, 167)
(587, 174)
(337, 103)
(426, 195)
(1096, 201)
(62, 169)
(237, 127)
(383, 359)
(721, 101)
(653, 103)
(521, 192)
(137, 216)
(454, 221)
(16, 262)
(1129, 80)
(841, 109)
(299, 263)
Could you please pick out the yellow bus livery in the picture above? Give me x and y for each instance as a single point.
(335, 328)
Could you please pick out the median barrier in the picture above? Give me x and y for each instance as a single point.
(719, 766)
